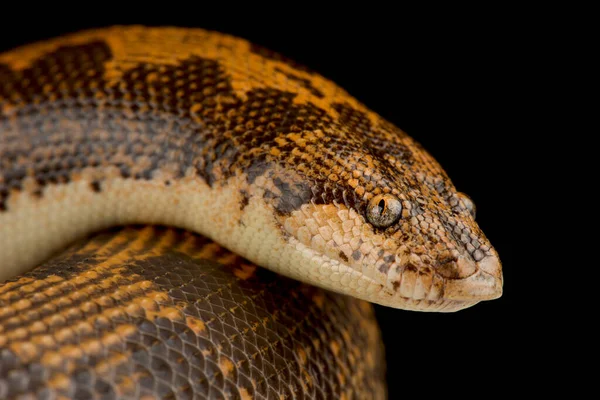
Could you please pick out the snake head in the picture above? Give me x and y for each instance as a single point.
(373, 215)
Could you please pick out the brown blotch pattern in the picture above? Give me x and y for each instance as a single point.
(172, 117)
(305, 83)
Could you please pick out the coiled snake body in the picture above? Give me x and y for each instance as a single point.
(209, 133)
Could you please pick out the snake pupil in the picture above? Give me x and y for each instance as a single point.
(381, 206)
(384, 210)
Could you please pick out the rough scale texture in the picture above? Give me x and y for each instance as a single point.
(160, 313)
(207, 132)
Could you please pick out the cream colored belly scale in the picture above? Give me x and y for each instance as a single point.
(35, 228)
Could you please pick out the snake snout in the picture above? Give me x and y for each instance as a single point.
(484, 284)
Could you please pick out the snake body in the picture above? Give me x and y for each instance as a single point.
(149, 312)
(210, 133)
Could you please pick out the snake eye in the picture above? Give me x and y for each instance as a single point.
(468, 203)
(384, 210)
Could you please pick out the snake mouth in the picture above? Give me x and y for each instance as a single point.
(428, 292)
(444, 305)
(442, 296)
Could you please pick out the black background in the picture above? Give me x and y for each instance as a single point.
(446, 78)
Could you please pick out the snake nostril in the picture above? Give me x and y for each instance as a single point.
(458, 268)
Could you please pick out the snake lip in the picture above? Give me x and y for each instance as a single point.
(485, 284)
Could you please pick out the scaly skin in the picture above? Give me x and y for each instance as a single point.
(145, 312)
(207, 132)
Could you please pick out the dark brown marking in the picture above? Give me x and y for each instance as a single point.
(411, 267)
(95, 185)
(343, 256)
(305, 83)
(3, 196)
(292, 197)
(257, 167)
(380, 143)
(245, 200)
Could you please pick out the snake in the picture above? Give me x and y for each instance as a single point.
(148, 171)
